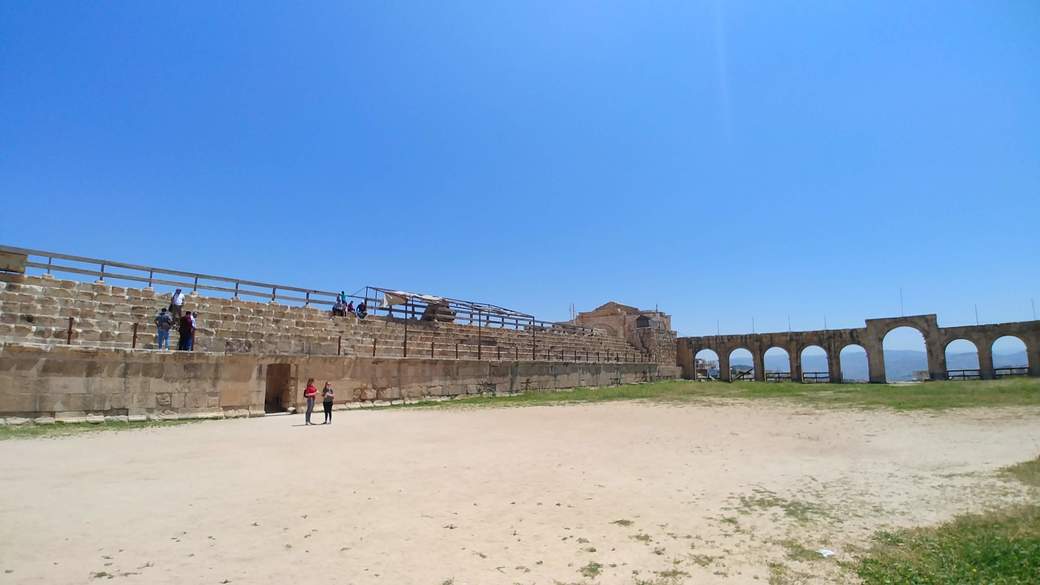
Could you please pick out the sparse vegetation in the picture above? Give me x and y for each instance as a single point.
(1027, 472)
(798, 510)
(622, 522)
(60, 429)
(701, 559)
(781, 574)
(931, 395)
(592, 569)
(798, 552)
(998, 548)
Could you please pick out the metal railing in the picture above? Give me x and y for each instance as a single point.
(748, 374)
(778, 376)
(1010, 371)
(416, 308)
(111, 270)
(151, 275)
(816, 377)
(964, 374)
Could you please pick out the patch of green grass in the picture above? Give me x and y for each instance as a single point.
(1022, 391)
(622, 522)
(642, 537)
(1027, 472)
(997, 548)
(60, 429)
(591, 570)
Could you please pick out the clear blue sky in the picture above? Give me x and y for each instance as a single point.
(725, 160)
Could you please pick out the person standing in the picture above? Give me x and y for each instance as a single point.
(309, 393)
(163, 324)
(186, 328)
(327, 398)
(194, 328)
(176, 304)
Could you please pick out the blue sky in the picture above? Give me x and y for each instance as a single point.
(725, 160)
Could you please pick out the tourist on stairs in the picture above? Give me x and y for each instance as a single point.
(186, 327)
(176, 303)
(163, 324)
(339, 309)
(327, 397)
(309, 393)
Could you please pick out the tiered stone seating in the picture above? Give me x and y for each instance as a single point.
(37, 309)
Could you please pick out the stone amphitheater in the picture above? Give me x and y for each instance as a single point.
(85, 350)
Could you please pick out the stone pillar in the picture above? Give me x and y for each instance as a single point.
(759, 359)
(723, 365)
(875, 359)
(684, 357)
(834, 367)
(795, 357)
(985, 351)
(936, 358)
(1033, 358)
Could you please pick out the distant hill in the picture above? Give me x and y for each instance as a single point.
(900, 364)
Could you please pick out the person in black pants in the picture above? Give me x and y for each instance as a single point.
(327, 397)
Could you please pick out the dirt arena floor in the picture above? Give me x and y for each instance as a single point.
(613, 493)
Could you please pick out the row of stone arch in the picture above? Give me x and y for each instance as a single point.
(871, 340)
(853, 355)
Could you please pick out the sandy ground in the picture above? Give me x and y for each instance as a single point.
(652, 493)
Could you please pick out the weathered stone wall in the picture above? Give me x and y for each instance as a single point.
(76, 382)
(38, 308)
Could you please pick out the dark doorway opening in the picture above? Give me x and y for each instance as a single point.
(278, 384)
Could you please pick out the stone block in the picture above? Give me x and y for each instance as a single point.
(16, 420)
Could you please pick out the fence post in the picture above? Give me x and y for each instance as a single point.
(534, 357)
(516, 348)
(431, 348)
(373, 347)
(456, 350)
(479, 332)
(339, 346)
(102, 277)
(499, 347)
(68, 338)
(133, 343)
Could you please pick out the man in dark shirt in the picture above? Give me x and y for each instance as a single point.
(186, 327)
